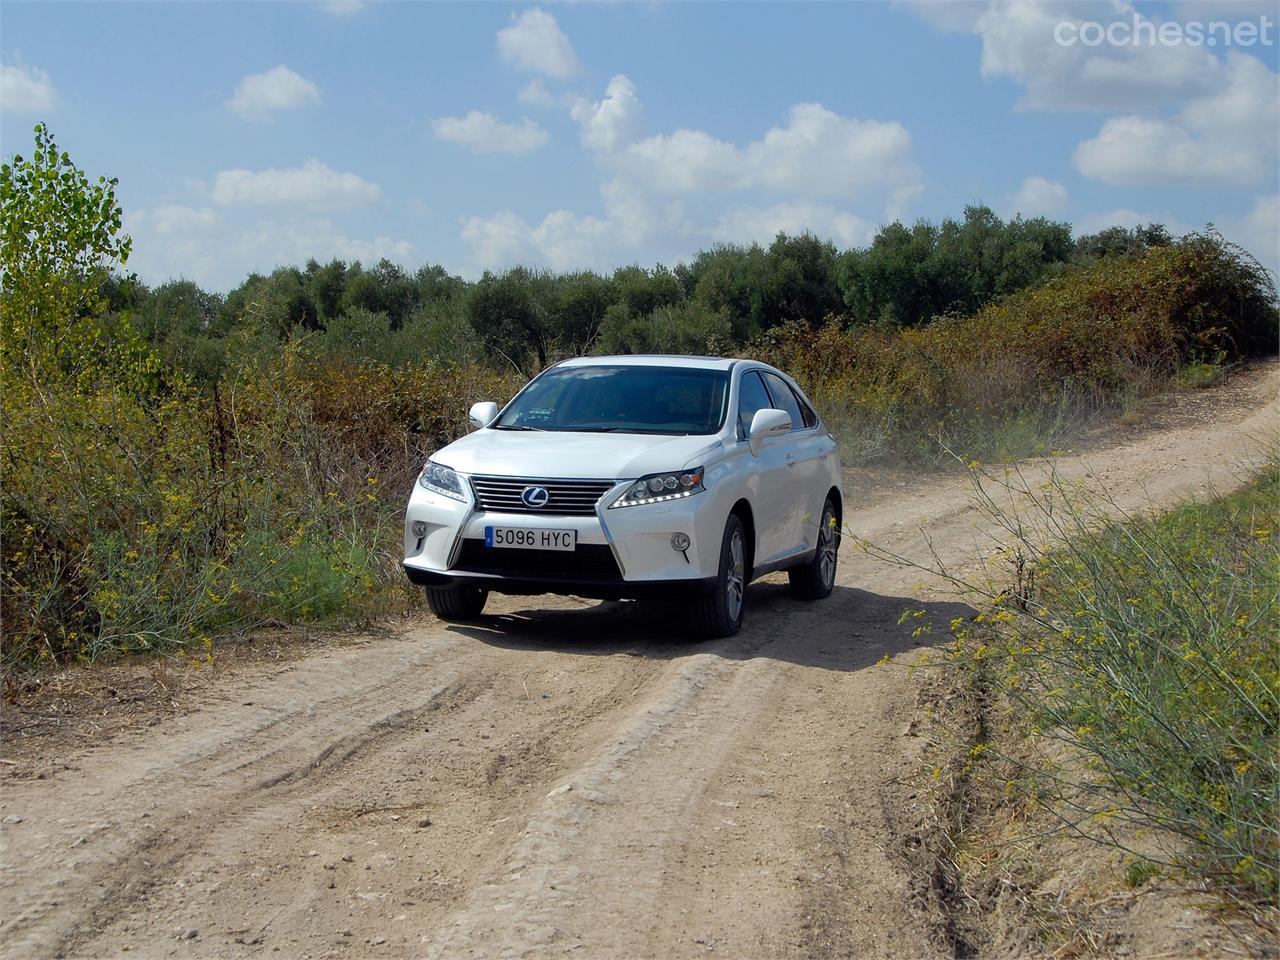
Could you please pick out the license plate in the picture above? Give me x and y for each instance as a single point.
(530, 539)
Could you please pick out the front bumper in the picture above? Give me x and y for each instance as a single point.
(592, 589)
(622, 552)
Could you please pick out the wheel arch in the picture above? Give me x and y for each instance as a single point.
(837, 501)
(742, 509)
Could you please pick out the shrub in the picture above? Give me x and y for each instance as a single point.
(1020, 373)
(155, 526)
(1138, 654)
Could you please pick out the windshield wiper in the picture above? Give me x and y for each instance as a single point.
(520, 426)
(616, 430)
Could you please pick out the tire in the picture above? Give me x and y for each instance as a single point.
(816, 578)
(456, 603)
(719, 613)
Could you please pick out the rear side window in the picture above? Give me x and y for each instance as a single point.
(752, 396)
(784, 399)
(810, 418)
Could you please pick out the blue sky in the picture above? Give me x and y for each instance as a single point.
(480, 135)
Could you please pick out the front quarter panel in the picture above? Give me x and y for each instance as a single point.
(444, 518)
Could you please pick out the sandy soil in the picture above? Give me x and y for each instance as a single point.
(564, 778)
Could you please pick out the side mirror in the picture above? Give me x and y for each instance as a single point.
(768, 423)
(482, 414)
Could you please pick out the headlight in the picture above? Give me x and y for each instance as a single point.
(438, 478)
(658, 487)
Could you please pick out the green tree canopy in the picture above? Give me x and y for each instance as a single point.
(60, 240)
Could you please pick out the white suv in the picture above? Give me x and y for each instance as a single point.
(649, 477)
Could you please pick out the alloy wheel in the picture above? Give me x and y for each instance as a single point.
(828, 544)
(735, 577)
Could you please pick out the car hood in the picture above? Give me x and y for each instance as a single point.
(555, 455)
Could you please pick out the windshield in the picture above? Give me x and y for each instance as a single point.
(621, 399)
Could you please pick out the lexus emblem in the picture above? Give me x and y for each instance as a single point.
(535, 497)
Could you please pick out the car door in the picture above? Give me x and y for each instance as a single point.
(804, 453)
(774, 505)
(816, 452)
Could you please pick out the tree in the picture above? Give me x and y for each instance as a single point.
(579, 303)
(800, 281)
(59, 240)
(384, 289)
(325, 286)
(729, 279)
(1119, 242)
(908, 276)
(643, 291)
(509, 313)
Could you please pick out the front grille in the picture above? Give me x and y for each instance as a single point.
(568, 498)
(592, 562)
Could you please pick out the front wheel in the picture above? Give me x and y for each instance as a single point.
(816, 578)
(456, 603)
(719, 613)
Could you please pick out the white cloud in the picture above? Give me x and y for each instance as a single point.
(498, 240)
(1038, 196)
(535, 94)
(1228, 109)
(817, 153)
(260, 95)
(562, 241)
(26, 90)
(1230, 10)
(1258, 231)
(762, 224)
(313, 186)
(344, 8)
(1019, 42)
(173, 219)
(648, 180)
(612, 122)
(485, 133)
(536, 43)
(1227, 136)
(200, 245)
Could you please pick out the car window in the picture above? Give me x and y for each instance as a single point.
(810, 418)
(784, 399)
(602, 398)
(752, 396)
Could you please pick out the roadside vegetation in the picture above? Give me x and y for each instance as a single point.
(180, 465)
(1119, 685)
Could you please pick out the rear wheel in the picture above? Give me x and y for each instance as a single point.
(719, 613)
(815, 579)
(456, 603)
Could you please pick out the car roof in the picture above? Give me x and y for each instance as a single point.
(652, 360)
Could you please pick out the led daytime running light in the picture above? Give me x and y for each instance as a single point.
(661, 487)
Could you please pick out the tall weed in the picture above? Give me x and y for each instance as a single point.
(1137, 652)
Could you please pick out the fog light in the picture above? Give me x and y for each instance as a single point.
(680, 541)
(419, 528)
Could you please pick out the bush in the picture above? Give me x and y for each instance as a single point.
(1139, 654)
(160, 525)
(1021, 373)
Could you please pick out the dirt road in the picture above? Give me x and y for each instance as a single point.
(553, 781)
